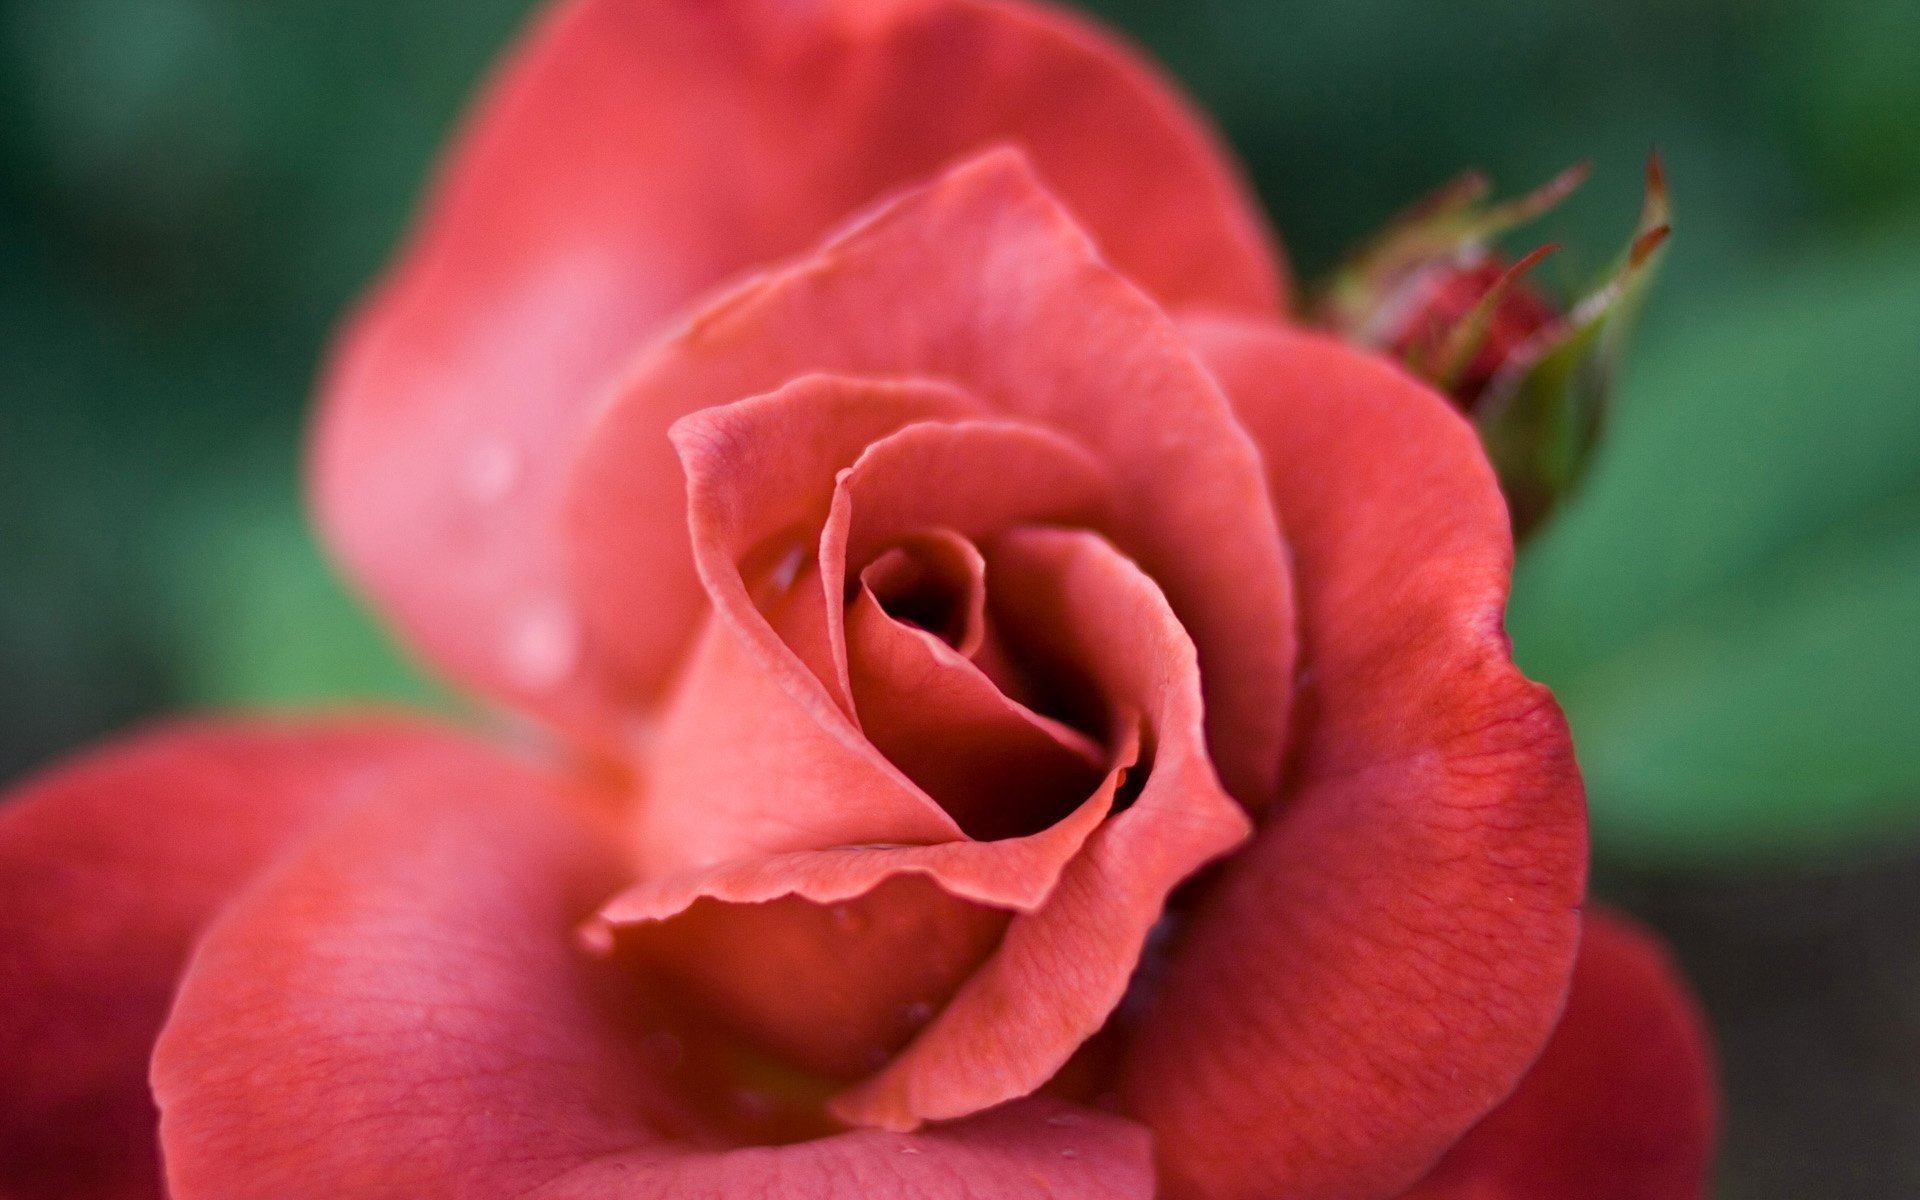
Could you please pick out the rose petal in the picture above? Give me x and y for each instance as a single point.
(828, 989)
(981, 278)
(402, 1011)
(635, 153)
(999, 768)
(934, 579)
(109, 866)
(833, 959)
(1379, 968)
(751, 731)
(941, 561)
(762, 469)
(1622, 1101)
(1062, 970)
(743, 764)
(974, 478)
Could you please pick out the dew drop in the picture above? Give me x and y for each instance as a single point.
(788, 568)
(543, 647)
(909, 1149)
(916, 1013)
(491, 472)
(1063, 1121)
(1069, 1152)
(848, 919)
(597, 937)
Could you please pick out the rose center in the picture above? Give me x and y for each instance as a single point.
(926, 586)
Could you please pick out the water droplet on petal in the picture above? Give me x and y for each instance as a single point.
(1063, 1120)
(910, 1150)
(1069, 1152)
(917, 1013)
(491, 472)
(848, 919)
(788, 568)
(543, 647)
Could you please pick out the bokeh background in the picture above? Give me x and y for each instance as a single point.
(191, 190)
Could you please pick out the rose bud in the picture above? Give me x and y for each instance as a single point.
(1466, 322)
(1533, 371)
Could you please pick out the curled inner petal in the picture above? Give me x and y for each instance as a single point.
(936, 581)
(1061, 970)
(972, 477)
(999, 768)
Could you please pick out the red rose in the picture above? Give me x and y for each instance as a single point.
(1020, 720)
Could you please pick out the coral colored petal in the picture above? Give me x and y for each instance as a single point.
(1016, 873)
(1061, 971)
(970, 477)
(941, 565)
(999, 768)
(403, 1011)
(636, 153)
(981, 278)
(949, 566)
(1384, 962)
(1621, 1103)
(832, 959)
(973, 477)
(743, 765)
(721, 768)
(109, 866)
(764, 469)
(829, 990)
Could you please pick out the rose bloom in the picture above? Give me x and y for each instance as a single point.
(1002, 713)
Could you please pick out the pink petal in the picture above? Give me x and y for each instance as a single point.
(402, 1011)
(110, 864)
(749, 713)
(939, 564)
(1622, 1101)
(632, 155)
(950, 566)
(982, 279)
(1383, 963)
(1062, 970)
(751, 760)
(834, 959)
(997, 766)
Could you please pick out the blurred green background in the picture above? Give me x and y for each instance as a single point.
(190, 191)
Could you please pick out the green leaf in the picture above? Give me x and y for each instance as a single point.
(260, 619)
(1730, 609)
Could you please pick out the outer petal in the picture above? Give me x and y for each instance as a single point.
(402, 1011)
(636, 153)
(983, 279)
(1379, 968)
(109, 866)
(1622, 1101)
